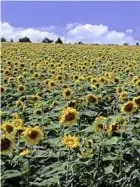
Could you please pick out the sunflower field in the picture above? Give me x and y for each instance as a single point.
(70, 115)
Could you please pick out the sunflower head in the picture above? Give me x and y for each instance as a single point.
(7, 144)
(91, 98)
(99, 125)
(21, 88)
(8, 127)
(67, 93)
(129, 107)
(17, 123)
(37, 112)
(71, 141)
(32, 135)
(51, 84)
(69, 116)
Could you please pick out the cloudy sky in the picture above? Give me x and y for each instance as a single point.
(90, 22)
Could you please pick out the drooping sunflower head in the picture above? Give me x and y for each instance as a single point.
(71, 141)
(91, 98)
(69, 116)
(136, 100)
(129, 107)
(33, 135)
(67, 93)
(7, 144)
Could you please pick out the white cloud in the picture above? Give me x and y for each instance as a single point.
(72, 32)
(36, 35)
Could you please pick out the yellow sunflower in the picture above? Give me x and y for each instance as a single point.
(51, 84)
(99, 125)
(7, 144)
(8, 127)
(17, 123)
(71, 141)
(21, 88)
(69, 116)
(129, 107)
(33, 135)
(67, 93)
(91, 98)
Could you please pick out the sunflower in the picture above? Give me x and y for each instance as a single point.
(112, 128)
(107, 98)
(119, 90)
(71, 141)
(69, 116)
(129, 107)
(65, 86)
(33, 135)
(136, 100)
(91, 98)
(67, 93)
(123, 95)
(51, 84)
(21, 88)
(7, 144)
(103, 80)
(8, 127)
(138, 83)
(73, 104)
(37, 112)
(17, 123)
(99, 125)
(35, 98)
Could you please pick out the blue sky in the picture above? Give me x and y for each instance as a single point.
(74, 20)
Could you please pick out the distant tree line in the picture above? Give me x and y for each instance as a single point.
(58, 41)
(27, 40)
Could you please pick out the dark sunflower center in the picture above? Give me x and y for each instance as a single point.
(100, 126)
(91, 99)
(33, 134)
(21, 88)
(67, 93)
(114, 128)
(52, 84)
(70, 116)
(128, 107)
(9, 128)
(5, 144)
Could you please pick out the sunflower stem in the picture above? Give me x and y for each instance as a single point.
(67, 175)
